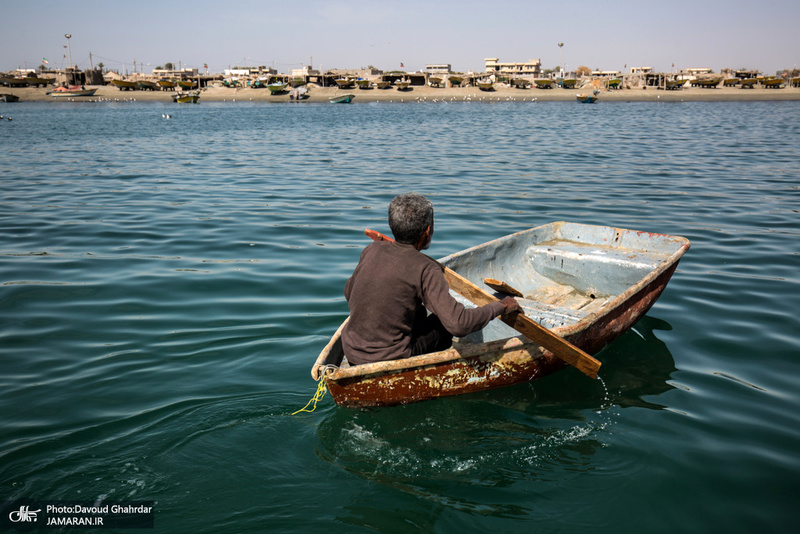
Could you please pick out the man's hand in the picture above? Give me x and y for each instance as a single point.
(511, 306)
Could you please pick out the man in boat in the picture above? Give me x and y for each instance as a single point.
(393, 287)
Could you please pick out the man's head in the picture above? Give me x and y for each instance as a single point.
(409, 216)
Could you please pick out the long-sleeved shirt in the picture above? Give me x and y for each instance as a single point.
(389, 284)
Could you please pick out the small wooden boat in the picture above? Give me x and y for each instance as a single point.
(485, 85)
(363, 84)
(344, 83)
(708, 83)
(544, 84)
(166, 85)
(187, 84)
(342, 99)
(455, 81)
(10, 81)
(402, 85)
(614, 83)
(730, 82)
(773, 83)
(749, 83)
(7, 97)
(35, 81)
(297, 82)
(674, 85)
(587, 284)
(383, 84)
(72, 91)
(191, 97)
(299, 93)
(277, 88)
(435, 81)
(125, 85)
(569, 83)
(147, 85)
(520, 83)
(586, 99)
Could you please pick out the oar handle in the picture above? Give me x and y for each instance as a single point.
(523, 324)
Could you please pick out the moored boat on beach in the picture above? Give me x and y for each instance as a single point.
(10, 81)
(344, 83)
(72, 91)
(485, 85)
(191, 97)
(382, 84)
(586, 284)
(749, 83)
(147, 85)
(342, 99)
(7, 97)
(166, 84)
(35, 81)
(277, 88)
(455, 81)
(544, 84)
(773, 83)
(363, 84)
(586, 98)
(187, 84)
(402, 85)
(125, 85)
(672, 85)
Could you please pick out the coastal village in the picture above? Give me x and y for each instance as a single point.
(189, 84)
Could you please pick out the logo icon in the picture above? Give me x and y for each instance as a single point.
(24, 515)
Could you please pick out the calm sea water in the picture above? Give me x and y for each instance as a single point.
(166, 284)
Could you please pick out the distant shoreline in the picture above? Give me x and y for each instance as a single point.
(473, 94)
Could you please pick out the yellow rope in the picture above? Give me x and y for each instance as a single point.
(321, 389)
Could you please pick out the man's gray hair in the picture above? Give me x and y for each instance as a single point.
(409, 216)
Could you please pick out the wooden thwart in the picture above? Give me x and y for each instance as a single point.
(559, 346)
(502, 287)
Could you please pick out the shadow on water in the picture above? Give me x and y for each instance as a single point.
(543, 431)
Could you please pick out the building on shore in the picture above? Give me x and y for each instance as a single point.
(530, 69)
(438, 68)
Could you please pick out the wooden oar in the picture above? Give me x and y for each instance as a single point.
(559, 346)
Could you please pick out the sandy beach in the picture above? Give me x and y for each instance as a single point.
(435, 94)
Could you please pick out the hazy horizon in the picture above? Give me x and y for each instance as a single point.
(614, 35)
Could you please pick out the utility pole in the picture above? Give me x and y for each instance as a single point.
(69, 47)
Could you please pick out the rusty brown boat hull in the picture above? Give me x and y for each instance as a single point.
(471, 366)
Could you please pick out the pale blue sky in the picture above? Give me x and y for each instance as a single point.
(606, 35)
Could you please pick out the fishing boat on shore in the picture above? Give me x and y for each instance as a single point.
(455, 81)
(277, 88)
(190, 97)
(35, 81)
(125, 85)
(544, 84)
(402, 85)
(8, 97)
(342, 99)
(485, 85)
(10, 81)
(187, 84)
(166, 85)
(383, 84)
(72, 91)
(585, 285)
(147, 85)
(586, 98)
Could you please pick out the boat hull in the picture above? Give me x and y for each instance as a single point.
(343, 99)
(82, 92)
(506, 359)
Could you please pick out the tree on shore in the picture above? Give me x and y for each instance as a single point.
(583, 70)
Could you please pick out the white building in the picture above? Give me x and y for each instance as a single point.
(532, 68)
(438, 68)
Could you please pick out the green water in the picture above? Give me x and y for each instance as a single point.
(166, 285)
